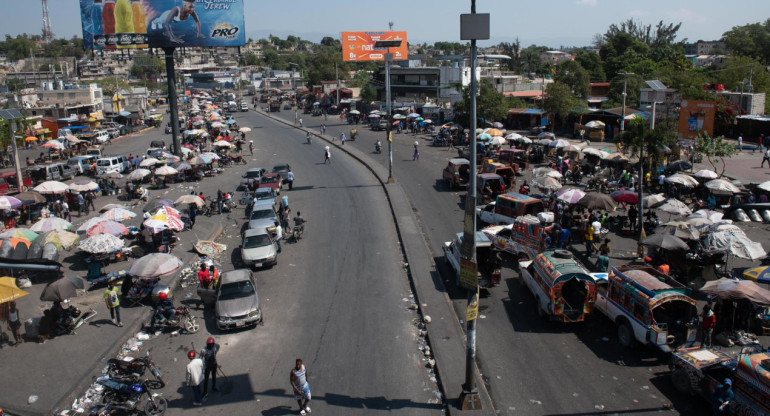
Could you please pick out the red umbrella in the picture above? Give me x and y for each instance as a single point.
(226, 138)
(629, 197)
(188, 145)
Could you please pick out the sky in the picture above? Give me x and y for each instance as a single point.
(551, 23)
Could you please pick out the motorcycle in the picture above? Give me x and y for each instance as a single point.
(68, 322)
(238, 159)
(132, 397)
(297, 231)
(134, 369)
(182, 320)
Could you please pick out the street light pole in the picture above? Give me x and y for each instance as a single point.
(389, 128)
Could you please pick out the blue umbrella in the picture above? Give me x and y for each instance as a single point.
(230, 121)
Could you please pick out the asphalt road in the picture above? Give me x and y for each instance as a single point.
(531, 366)
(336, 299)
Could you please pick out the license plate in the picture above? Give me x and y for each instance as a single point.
(257, 265)
(240, 323)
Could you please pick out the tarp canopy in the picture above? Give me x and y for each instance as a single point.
(737, 289)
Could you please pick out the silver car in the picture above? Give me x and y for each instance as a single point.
(237, 300)
(262, 215)
(258, 249)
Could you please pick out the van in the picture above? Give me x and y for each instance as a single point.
(52, 172)
(124, 162)
(507, 207)
(81, 164)
(10, 184)
(94, 151)
(109, 164)
(232, 106)
(101, 137)
(506, 172)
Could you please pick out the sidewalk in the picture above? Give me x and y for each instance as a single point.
(445, 333)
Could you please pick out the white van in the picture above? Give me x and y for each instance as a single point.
(81, 164)
(102, 136)
(109, 164)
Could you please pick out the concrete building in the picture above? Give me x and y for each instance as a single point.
(749, 103)
(704, 47)
(658, 93)
(410, 84)
(702, 61)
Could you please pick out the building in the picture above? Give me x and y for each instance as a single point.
(82, 105)
(656, 92)
(749, 103)
(597, 93)
(410, 84)
(505, 81)
(132, 101)
(704, 48)
(702, 61)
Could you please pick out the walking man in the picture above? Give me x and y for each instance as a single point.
(90, 200)
(112, 300)
(327, 155)
(193, 215)
(220, 200)
(342, 138)
(209, 357)
(290, 178)
(765, 158)
(416, 155)
(251, 147)
(81, 205)
(278, 234)
(298, 379)
(740, 143)
(708, 321)
(195, 376)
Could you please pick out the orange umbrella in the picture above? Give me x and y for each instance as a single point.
(31, 139)
(16, 241)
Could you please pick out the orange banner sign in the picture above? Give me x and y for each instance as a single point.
(359, 46)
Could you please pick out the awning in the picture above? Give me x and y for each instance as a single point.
(67, 120)
(534, 111)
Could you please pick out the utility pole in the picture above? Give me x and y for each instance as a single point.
(623, 113)
(388, 103)
(172, 100)
(473, 27)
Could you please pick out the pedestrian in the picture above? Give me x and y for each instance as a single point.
(740, 143)
(195, 377)
(290, 178)
(416, 155)
(298, 379)
(565, 238)
(209, 357)
(81, 205)
(285, 215)
(722, 396)
(14, 323)
(112, 300)
(342, 138)
(327, 155)
(633, 217)
(204, 277)
(708, 320)
(251, 147)
(90, 199)
(604, 249)
(589, 240)
(278, 235)
(220, 200)
(65, 210)
(193, 214)
(765, 158)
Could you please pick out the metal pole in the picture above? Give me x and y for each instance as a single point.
(19, 179)
(388, 58)
(623, 114)
(172, 104)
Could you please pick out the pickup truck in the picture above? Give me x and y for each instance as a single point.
(524, 238)
(489, 267)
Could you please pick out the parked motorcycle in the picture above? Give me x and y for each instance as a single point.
(238, 159)
(134, 369)
(134, 397)
(183, 320)
(66, 323)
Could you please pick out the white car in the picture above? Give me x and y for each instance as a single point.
(258, 249)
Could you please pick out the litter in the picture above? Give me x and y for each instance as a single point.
(32, 399)
(535, 401)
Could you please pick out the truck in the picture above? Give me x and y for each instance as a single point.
(275, 106)
(647, 306)
(489, 264)
(507, 207)
(563, 288)
(524, 238)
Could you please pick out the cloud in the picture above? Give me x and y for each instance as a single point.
(638, 13)
(591, 3)
(685, 15)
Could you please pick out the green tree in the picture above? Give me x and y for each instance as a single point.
(715, 149)
(592, 63)
(111, 85)
(620, 52)
(249, 59)
(559, 101)
(321, 66)
(738, 68)
(490, 104)
(19, 47)
(615, 94)
(575, 77)
(146, 66)
(511, 49)
(752, 40)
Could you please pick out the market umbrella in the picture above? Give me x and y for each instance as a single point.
(30, 139)
(354, 112)
(721, 187)
(63, 240)
(157, 203)
(210, 156)
(160, 221)
(83, 185)
(230, 121)
(652, 201)
(542, 171)
(494, 132)
(149, 162)
(597, 200)
(90, 223)
(221, 143)
(198, 160)
(758, 274)
(155, 265)
(497, 125)
(546, 182)
(706, 174)
(395, 117)
(523, 140)
(374, 116)
(16, 241)
(496, 140)
(616, 157)
(675, 207)
(698, 222)
(111, 206)
(593, 152)
(166, 171)
(682, 229)
(570, 195)
(735, 289)
(190, 199)
(665, 241)
(546, 135)
(736, 243)
(118, 214)
(54, 144)
(139, 174)
(169, 210)
(412, 115)
(50, 224)
(182, 166)
(30, 197)
(765, 186)
(9, 291)
(559, 143)
(682, 179)
(678, 165)
(554, 174)
(544, 142)
(51, 187)
(107, 227)
(101, 243)
(20, 233)
(112, 175)
(595, 124)
(72, 139)
(707, 213)
(571, 148)
(60, 289)
(629, 197)
(9, 202)
(513, 136)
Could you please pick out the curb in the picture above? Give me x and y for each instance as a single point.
(480, 383)
(82, 384)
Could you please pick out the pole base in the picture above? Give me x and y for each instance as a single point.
(391, 179)
(470, 400)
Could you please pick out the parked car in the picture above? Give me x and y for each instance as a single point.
(380, 125)
(258, 248)
(262, 216)
(252, 175)
(82, 164)
(271, 180)
(237, 300)
(244, 106)
(283, 170)
(9, 183)
(457, 172)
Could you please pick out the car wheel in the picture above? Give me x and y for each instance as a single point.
(681, 381)
(625, 335)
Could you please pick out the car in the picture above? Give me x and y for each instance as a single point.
(380, 125)
(252, 175)
(237, 300)
(282, 169)
(258, 248)
(266, 195)
(262, 216)
(244, 106)
(271, 180)
(288, 105)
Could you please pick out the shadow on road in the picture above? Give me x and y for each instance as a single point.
(339, 400)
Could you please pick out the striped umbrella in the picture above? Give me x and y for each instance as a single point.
(9, 202)
(101, 243)
(50, 224)
(20, 233)
(570, 195)
(118, 214)
(90, 223)
(160, 221)
(51, 187)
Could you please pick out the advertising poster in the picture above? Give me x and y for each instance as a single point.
(119, 24)
(359, 46)
(696, 116)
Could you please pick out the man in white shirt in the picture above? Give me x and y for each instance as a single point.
(278, 235)
(195, 377)
(290, 178)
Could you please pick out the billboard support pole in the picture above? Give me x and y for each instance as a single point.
(172, 100)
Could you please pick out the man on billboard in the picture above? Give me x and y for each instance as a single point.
(176, 15)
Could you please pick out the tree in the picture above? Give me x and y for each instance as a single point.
(592, 63)
(752, 40)
(559, 100)
(634, 84)
(490, 104)
(19, 47)
(716, 149)
(737, 69)
(249, 59)
(321, 66)
(512, 49)
(146, 66)
(621, 51)
(575, 77)
(15, 84)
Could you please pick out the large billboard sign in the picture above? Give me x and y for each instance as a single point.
(119, 24)
(696, 116)
(359, 46)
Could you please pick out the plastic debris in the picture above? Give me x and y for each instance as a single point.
(427, 319)
(535, 401)
(599, 407)
(32, 399)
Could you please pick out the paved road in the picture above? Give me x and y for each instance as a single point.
(530, 366)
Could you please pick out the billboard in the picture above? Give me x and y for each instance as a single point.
(696, 116)
(120, 24)
(359, 46)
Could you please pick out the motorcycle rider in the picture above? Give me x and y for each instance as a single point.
(299, 222)
(378, 146)
(209, 357)
(165, 310)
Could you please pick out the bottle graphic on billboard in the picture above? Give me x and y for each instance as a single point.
(96, 21)
(140, 23)
(108, 22)
(124, 23)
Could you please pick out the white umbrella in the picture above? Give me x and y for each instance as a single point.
(139, 174)
(544, 142)
(571, 148)
(698, 222)
(244, 129)
(50, 224)
(593, 152)
(165, 171)
(9, 202)
(514, 136)
(190, 199)
(497, 140)
(570, 195)
(90, 223)
(84, 185)
(51, 187)
(651, 201)
(101, 243)
(523, 140)
(706, 174)
(546, 182)
(682, 179)
(676, 207)
(542, 171)
(155, 265)
(765, 186)
(594, 124)
(559, 143)
(222, 143)
(150, 161)
(553, 174)
(722, 187)
(708, 214)
(72, 139)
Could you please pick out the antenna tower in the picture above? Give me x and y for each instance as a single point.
(47, 32)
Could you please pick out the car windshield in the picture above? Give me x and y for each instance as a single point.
(252, 174)
(270, 179)
(266, 194)
(254, 241)
(280, 168)
(236, 290)
(262, 214)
